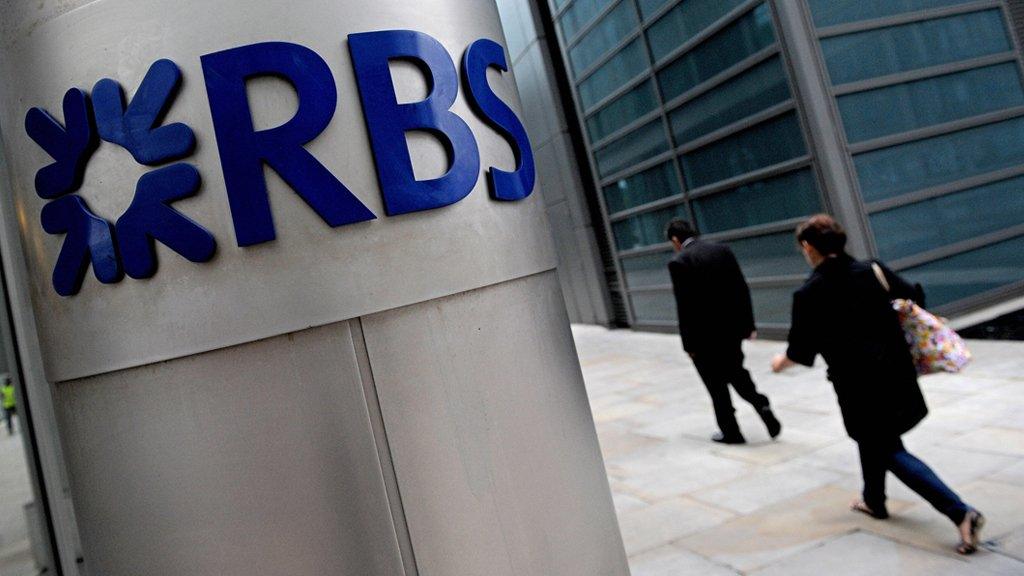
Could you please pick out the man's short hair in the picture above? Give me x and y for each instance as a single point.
(679, 228)
(824, 233)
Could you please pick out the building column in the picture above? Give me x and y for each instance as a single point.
(823, 124)
(398, 395)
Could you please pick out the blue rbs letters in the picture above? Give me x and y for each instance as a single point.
(135, 125)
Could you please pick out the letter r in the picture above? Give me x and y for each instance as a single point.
(243, 150)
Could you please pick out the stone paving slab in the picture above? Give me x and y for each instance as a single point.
(688, 506)
(673, 561)
(766, 486)
(756, 540)
(860, 554)
(1012, 545)
(15, 492)
(659, 524)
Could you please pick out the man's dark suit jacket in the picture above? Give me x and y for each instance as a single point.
(712, 297)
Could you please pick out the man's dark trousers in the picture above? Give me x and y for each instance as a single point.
(722, 365)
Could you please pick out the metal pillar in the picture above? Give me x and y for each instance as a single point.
(397, 396)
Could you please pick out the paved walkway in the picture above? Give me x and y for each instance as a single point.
(15, 492)
(687, 506)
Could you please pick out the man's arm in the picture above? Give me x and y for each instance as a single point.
(744, 304)
(682, 290)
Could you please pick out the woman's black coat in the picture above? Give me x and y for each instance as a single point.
(843, 313)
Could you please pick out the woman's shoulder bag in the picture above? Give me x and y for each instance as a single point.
(934, 346)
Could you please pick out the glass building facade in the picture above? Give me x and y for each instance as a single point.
(711, 110)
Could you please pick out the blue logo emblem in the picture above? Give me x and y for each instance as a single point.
(128, 245)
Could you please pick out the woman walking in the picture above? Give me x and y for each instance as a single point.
(844, 313)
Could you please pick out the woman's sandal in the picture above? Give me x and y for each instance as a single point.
(977, 521)
(863, 508)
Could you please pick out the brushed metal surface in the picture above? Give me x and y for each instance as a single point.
(491, 435)
(253, 460)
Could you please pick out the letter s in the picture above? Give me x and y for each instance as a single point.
(480, 56)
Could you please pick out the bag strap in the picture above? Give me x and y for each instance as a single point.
(881, 276)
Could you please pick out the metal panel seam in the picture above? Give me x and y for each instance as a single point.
(380, 439)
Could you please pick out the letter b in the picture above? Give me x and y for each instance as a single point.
(388, 121)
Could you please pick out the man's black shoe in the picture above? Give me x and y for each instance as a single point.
(723, 439)
(771, 422)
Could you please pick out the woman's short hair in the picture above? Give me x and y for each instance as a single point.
(824, 233)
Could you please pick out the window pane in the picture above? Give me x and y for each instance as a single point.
(612, 30)
(771, 255)
(622, 111)
(683, 22)
(579, 14)
(905, 107)
(772, 305)
(780, 198)
(901, 48)
(647, 271)
(740, 39)
(646, 229)
(654, 307)
(908, 167)
(613, 74)
(765, 144)
(832, 12)
(650, 185)
(949, 219)
(648, 7)
(637, 146)
(753, 91)
(972, 272)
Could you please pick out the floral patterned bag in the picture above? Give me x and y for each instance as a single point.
(934, 346)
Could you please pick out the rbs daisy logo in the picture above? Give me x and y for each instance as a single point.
(126, 246)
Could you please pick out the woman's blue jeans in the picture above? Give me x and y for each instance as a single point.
(880, 456)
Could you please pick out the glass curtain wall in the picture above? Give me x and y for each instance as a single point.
(931, 100)
(688, 111)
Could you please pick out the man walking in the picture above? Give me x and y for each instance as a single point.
(715, 316)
